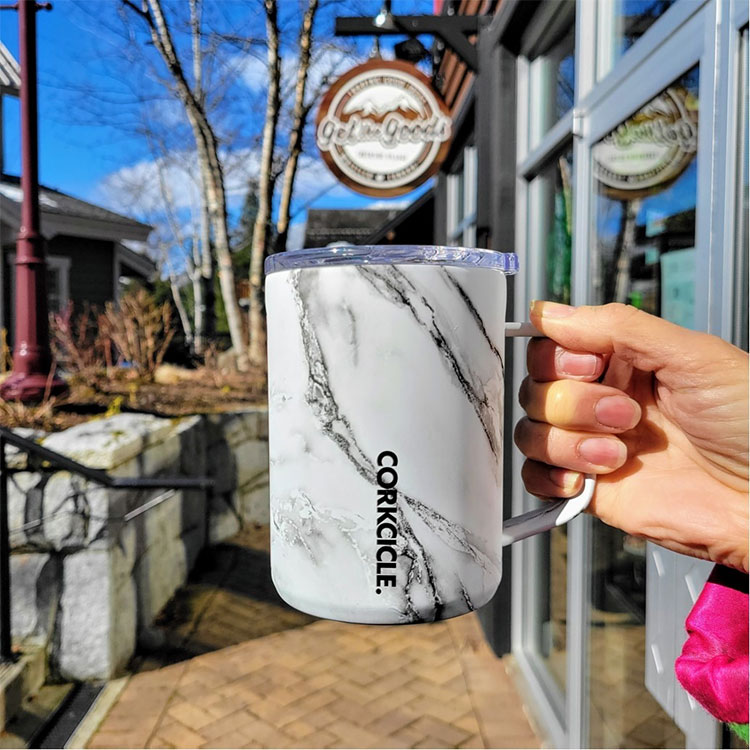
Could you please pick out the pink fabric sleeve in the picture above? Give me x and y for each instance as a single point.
(713, 666)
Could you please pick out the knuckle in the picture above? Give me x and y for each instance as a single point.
(519, 432)
(524, 393)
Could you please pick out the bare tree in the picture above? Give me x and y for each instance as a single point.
(265, 186)
(300, 111)
(207, 146)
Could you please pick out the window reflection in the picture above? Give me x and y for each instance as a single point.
(645, 206)
(553, 72)
(622, 24)
(554, 213)
(645, 209)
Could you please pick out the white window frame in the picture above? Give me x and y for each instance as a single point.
(58, 263)
(462, 224)
(690, 32)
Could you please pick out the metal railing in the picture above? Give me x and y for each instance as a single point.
(59, 461)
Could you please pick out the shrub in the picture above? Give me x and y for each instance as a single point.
(140, 329)
(79, 344)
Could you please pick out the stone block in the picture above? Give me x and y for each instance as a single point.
(96, 625)
(76, 512)
(191, 434)
(193, 541)
(223, 521)
(157, 575)
(254, 501)
(107, 443)
(23, 517)
(36, 582)
(243, 426)
(163, 457)
(262, 433)
(221, 466)
(16, 458)
(251, 460)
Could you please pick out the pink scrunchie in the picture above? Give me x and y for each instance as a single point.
(713, 666)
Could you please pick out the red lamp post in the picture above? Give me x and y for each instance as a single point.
(32, 361)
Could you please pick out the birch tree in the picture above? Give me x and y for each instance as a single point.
(207, 147)
(300, 111)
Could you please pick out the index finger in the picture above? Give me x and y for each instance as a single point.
(546, 360)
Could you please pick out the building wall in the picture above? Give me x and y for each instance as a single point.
(91, 270)
(91, 276)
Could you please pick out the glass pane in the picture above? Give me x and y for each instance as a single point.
(646, 190)
(554, 74)
(554, 213)
(622, 23)
(460, 198)
(740, 333)
(54, 299)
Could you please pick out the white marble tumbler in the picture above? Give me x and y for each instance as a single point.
(385, 389)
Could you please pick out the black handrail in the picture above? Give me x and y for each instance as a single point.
(58, 460)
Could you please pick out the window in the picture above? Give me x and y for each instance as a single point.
(549, 47)
(646, 191)
(462, 201)
(58, 284)
(621, 24)
(600, 217)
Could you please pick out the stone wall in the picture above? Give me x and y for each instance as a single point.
(86, 582)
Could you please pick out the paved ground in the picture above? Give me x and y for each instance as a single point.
(267, 676)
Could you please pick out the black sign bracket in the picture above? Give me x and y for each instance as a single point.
(453, 31)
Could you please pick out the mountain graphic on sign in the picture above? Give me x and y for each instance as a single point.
(370, 110)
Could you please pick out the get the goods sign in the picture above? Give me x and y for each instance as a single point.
(382, 129)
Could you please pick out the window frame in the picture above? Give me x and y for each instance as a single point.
(60, 264)
(462, 220)
(685, 35)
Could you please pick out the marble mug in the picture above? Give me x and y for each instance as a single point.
(385, 391)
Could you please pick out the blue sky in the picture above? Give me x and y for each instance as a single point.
(78, 153)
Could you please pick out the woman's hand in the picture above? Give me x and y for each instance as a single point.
(666, 427)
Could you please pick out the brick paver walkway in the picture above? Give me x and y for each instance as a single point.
(318, 685)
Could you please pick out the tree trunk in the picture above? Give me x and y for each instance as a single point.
(199, 300)
(210, 165)
(206, 274)
(257, 350)
(181, 311)
(299, 114)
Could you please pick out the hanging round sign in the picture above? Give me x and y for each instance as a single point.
(650, 149)
(382, 129)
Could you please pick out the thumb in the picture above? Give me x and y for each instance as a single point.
(644, 341)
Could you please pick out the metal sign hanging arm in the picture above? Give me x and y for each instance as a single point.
(452, 30)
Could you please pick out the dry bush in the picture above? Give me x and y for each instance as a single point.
(39, 416)
(140, 330)
(79, 344)
(6, 357)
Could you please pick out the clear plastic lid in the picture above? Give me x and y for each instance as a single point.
(358, 255)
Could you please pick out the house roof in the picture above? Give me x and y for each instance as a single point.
(10, 72)
(327, 225)
(63, 214)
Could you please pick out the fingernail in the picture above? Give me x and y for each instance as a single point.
(603, 452)
(617, 411)
(580, 365)
(564, 478)
(551, 309)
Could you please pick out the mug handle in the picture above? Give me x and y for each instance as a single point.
(554, 513)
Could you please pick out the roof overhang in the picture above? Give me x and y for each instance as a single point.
(141, 264)
(53, 224)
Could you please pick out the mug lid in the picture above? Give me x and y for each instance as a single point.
(358, 255)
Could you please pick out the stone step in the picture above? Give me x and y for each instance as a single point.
(20, 680)
(33, 719)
